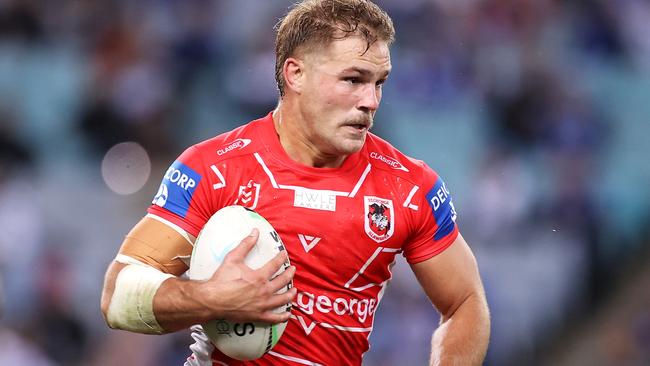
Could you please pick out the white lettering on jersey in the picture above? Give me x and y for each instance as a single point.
(314, 199)
(237, 144)
(357, 308)
(179, 178)
(222, 181)
(308, 242)
(392, 162)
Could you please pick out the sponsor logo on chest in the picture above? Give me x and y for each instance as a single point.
(314, 199)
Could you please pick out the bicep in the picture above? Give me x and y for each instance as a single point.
(159, 245)
(450, 277)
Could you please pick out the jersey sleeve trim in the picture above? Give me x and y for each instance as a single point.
(174, 219)
(441, 247)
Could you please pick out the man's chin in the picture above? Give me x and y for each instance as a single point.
(351, 146)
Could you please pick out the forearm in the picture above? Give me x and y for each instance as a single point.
(144, 300)
(177, 305)
(462, 337)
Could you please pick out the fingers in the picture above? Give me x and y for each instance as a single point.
(282, 280)
(274, 318)
(271, 267)
(276, 301)
(245, 246)
(284, 298)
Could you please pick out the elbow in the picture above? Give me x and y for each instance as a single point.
(108, 291)
(104, 304)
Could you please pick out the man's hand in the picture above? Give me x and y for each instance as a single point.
(239, 293)
(235, 291)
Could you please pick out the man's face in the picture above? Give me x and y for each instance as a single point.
(341, 93)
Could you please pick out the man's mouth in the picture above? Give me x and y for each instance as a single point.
(359, 125)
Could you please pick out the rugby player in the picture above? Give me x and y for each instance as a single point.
(344, 201)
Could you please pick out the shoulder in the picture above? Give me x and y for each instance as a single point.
(243, 140)
(383, 155)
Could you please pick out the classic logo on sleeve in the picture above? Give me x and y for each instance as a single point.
(439, 199)
(392, 162)
(176, 190)
(237, 144)
(379, 218)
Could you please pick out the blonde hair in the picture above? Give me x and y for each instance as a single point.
(319, 22)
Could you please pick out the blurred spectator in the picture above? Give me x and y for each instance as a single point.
(55, 327)
(20, 21)
(555, 88)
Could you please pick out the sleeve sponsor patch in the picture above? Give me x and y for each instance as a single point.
(177, 187)
(439, 199)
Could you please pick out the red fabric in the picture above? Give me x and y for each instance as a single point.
(341, 241)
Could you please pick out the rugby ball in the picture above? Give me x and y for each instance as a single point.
(221, 234)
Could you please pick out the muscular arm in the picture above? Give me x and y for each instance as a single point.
(234, 292)
(452, 283)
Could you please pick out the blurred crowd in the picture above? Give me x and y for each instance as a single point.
(535, 112)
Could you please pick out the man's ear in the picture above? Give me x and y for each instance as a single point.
(293, 72)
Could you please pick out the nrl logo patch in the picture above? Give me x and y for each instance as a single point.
(248, 195)
(379, 218)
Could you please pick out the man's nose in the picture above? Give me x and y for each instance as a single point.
(370, 97)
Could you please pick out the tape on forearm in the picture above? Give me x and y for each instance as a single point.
(131, 307)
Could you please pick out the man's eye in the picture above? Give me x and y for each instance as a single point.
(352, 80)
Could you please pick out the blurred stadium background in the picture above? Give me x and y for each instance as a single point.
(536, 112)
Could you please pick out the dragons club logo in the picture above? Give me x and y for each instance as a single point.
(379, 218)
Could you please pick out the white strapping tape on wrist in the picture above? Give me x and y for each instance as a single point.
(131, 307)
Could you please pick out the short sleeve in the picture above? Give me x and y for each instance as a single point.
(435, 219)
(183, 197)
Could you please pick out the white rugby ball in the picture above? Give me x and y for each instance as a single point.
(221, 234)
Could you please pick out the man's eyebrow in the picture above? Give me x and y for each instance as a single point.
(364, 72)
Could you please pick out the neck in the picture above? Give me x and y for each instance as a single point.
(295, 139)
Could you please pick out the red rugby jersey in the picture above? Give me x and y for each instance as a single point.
(342, 228)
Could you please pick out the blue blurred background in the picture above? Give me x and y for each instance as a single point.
(536, 113)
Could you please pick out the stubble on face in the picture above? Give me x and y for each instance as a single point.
(341, 94)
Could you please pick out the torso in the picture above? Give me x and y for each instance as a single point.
(342, 229)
